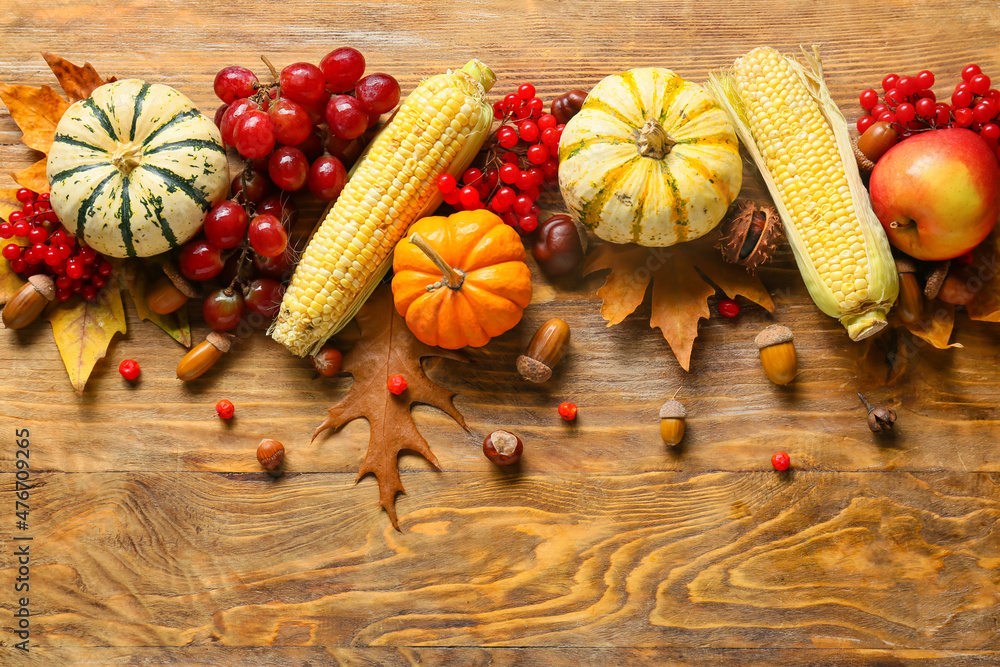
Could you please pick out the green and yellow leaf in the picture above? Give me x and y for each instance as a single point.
(176, 324)
(84, 329)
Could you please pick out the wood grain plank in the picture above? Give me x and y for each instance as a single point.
(726, 560)
(211, 656)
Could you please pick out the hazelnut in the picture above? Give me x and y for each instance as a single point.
(777, 354)
(672, 414)
(544, 351)
(270, 453)
(502, 447)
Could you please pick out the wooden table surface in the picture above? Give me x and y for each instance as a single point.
(156, 539)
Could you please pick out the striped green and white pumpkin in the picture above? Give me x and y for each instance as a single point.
(134, 168)
(649, 159)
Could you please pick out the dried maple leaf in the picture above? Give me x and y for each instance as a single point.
(36, 111)
(33, 177)
(388, 348)
(683, 277)
(76, 81)
(934, 326)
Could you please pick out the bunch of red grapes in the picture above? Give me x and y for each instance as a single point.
(51, 250)
(281, 130)
(909, 104)
(279, 125)
(522, 158)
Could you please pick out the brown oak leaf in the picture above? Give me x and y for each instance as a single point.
(934, 326)
(76, 81)
(684, 276)
(387, 348)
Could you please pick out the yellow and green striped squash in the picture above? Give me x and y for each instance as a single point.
(134, 169)
(649, 159)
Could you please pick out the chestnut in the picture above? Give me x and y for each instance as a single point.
(568, 105)
(559, 246)
(502, 447)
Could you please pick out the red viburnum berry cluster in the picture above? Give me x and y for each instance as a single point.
(50, 249)
(522, 158)
(909, 104)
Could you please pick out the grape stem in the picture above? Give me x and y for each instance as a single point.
(274, 72)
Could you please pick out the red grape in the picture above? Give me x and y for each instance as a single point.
(258, 185)
(226, 224)
(378, 93)
(346, 117)
(312, 147)
(233, 114)
(223, 309)
(263, 296)
(327, 178)
(317, 109)
(292, 124)
(302, 82)
(253, 134)
(342, 68)
(234, 82)
(267, 235)
(282, 207)
(345, 150)
(219, 114)
(288, 168)
(279, 267)
(199, 260)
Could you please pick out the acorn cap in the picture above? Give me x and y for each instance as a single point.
(533, 370)
(672, 410)
(179, 281)
(865, 165)
(936, 279)
(905, 264)
(773, 335)
(219, 340)
(44, 285)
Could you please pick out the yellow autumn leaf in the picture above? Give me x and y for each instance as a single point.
(33, 177)
(84, 329)
(10, 282)
(176, 324)
(36, 111)
(8, 202)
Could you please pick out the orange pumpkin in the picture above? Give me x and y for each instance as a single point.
(460, 280)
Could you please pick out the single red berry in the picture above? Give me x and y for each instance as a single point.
(567, 411)
(225, 409)
(729, 308)
(397, 384)
(129, 369)
(447, 183)
(780, 461)
(24, 195)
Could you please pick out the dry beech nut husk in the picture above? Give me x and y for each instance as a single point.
(750, 234)
(270, 453)
(503, 447)
(910, 303)
(203, 356)
(672, 415)
(544, 351)
(29, 302)
(880, 417)
(777, 354)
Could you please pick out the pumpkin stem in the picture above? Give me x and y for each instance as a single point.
(453, 277)
(127, 157)
(654, 141)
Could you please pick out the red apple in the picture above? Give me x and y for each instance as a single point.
(937, 193)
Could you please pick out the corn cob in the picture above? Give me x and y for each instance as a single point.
(787, 120)
(439, 128)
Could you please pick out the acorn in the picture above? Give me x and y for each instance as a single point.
(911, 297)
(203, 356)
(544, 351)
(777, 354)
(672, 414)
(169, 292)
(29, 302)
